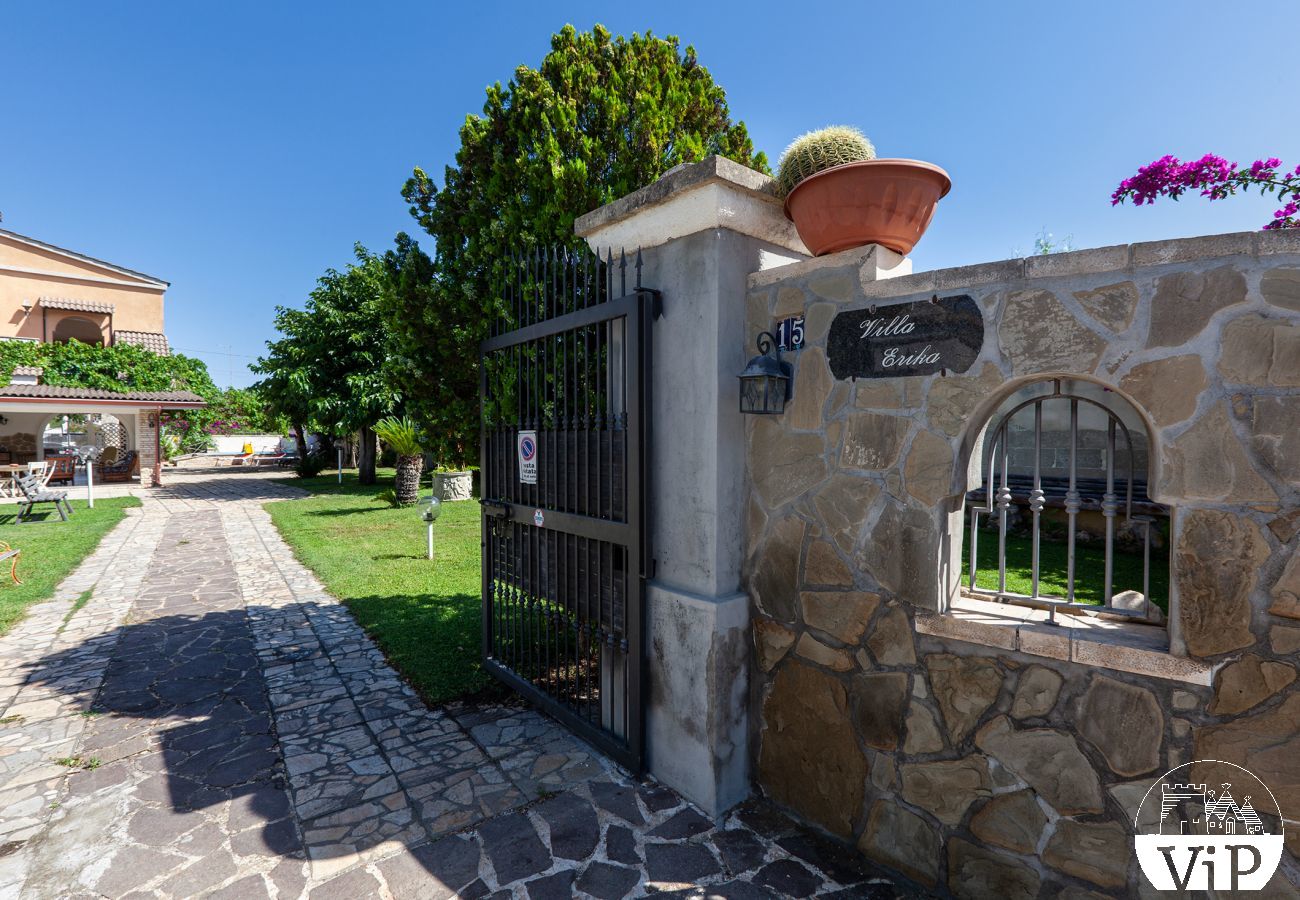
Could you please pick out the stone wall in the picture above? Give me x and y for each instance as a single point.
(21, 444)
(983, 758)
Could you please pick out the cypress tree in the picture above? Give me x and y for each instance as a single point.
(601, 117)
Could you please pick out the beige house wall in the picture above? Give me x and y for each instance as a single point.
(28, 273)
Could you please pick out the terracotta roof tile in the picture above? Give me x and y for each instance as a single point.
(55, 392)
(90, 306)
(153, 341)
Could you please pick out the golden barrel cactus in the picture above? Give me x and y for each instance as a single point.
(818, 151)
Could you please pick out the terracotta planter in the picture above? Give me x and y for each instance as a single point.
(880, 201)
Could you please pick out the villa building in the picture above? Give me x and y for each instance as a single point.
(50, 294)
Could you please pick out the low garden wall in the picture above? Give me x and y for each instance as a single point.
(261, 443)
(981, 752)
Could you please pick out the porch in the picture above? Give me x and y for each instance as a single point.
(39, 422)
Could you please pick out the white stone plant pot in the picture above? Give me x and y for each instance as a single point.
(453, 485)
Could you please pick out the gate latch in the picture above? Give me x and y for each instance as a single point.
(499, 512)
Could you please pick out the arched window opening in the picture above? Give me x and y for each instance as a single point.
(1062, 519)
(67, 433)
(77, 328)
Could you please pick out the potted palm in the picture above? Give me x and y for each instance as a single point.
(403, 437)
(839, 195)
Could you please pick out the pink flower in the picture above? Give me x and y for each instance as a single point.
(1217, 179)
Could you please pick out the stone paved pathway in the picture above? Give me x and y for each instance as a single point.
(213, 723)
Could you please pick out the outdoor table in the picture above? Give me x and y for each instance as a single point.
(9, 485)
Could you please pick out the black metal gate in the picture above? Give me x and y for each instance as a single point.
(564, 438)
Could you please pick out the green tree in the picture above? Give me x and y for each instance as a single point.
(601, 117)
(236, 410)
(327, 372)
(421, 345)
(287, 386)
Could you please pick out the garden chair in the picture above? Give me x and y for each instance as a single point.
(41, 471)
(9, 553)
(118, 471)
(63, 469)
(33, 493)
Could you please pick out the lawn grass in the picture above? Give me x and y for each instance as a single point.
(51, 549)
(424, 615)
(1089, 575)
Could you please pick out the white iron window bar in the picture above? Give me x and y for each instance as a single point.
(998, 500)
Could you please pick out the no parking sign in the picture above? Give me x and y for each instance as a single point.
(528, 457)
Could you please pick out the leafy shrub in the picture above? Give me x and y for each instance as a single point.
(121, 367)
(170, 446)
(243, 410)
(196, 441)
(311, 465)
(818, 151)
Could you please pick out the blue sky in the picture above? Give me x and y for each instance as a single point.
(239, 149)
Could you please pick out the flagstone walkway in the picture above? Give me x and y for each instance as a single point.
(213, 723)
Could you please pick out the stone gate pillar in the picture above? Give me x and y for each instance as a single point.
(703, 228)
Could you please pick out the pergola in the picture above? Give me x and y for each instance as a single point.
(27, 409)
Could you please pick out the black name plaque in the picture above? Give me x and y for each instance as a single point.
(941, 334)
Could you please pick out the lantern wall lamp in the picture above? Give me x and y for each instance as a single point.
(767, 382)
